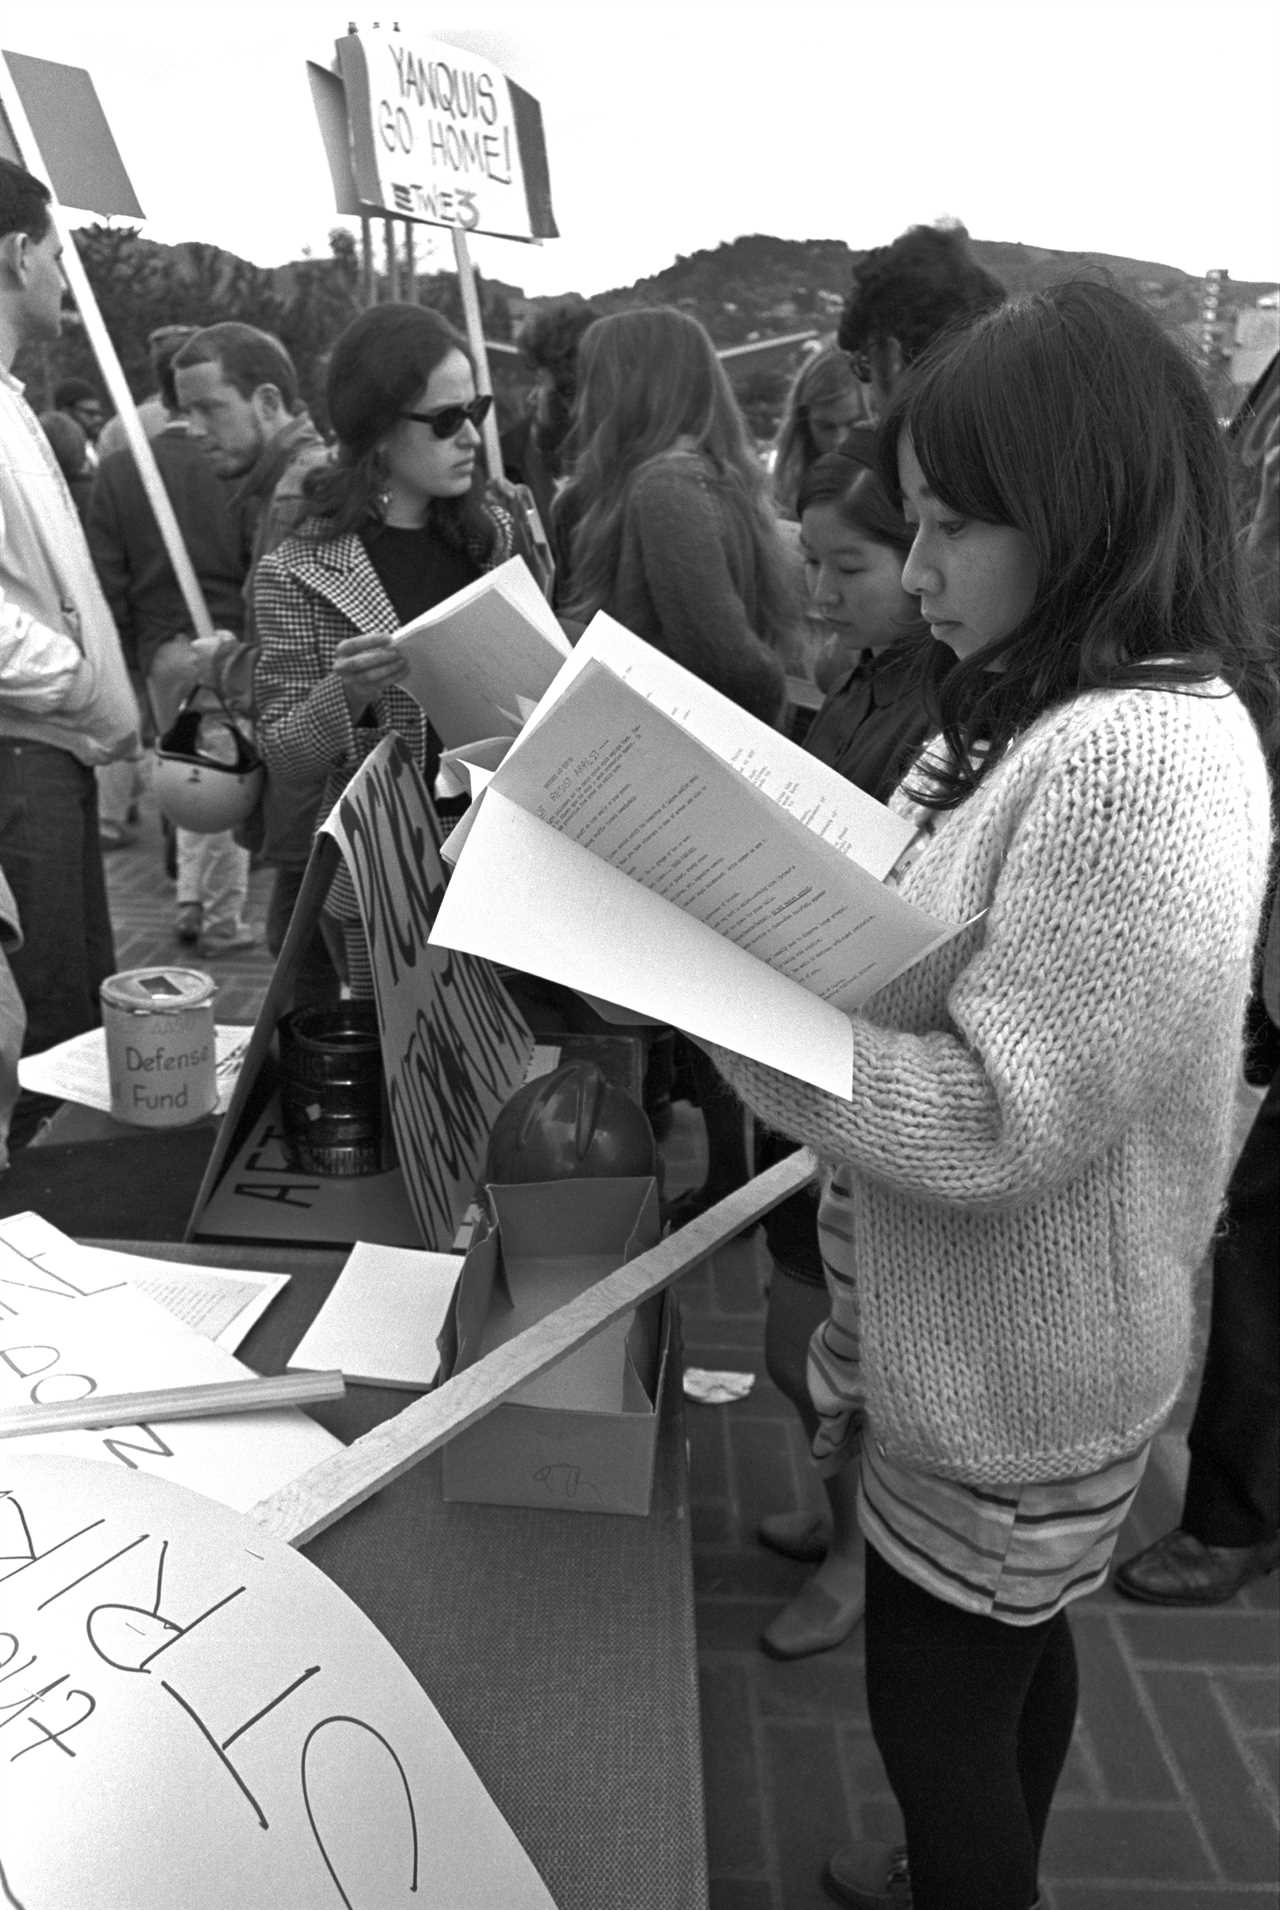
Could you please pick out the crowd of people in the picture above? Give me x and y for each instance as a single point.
(1043, 638)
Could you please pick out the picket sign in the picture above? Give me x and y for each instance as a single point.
(105, 353)
(307, 1506)
(479, 351)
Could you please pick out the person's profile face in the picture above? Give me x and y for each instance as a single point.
(421, 466)
(227, 425)
(975, 581)
(854, 583)
(87, 413)
(831, 420)
(43, 286)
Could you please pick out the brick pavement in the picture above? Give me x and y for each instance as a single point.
(1171, 1796)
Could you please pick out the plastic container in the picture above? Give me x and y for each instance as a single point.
(161, 1045)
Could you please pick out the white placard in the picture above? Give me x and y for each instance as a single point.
(196, 1717)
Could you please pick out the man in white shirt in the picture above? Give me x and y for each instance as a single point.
(66, 705)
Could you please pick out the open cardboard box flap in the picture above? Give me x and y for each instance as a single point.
(582, 1431)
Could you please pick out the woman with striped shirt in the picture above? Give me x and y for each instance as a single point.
(1032, 1157)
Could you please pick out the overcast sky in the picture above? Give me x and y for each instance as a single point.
(1141, 127)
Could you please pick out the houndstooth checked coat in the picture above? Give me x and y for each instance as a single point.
(308, 595)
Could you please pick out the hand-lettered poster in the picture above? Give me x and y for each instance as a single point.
(454, 1047)
(443, 137)
(195, 1717)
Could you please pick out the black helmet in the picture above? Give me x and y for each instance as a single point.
(570, 1124)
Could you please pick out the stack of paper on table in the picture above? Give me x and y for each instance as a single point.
(479, 662)
(647, 842)
(38, 1262)
(380, 1323)
(119, 1341)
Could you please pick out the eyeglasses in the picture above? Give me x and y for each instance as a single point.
(860, 364)
(449, 419)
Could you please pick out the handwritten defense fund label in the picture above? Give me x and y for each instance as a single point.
(194, 1715)
(162, 1059)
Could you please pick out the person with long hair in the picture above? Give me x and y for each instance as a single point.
(870, 728)
(669, 526)
(399, 520)
(1031, 1160)
(824, 404)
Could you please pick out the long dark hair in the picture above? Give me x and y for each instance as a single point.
(380, 364)
(1071, 416)
(649, 381)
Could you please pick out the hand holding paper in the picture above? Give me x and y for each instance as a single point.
(479, 661)
(655, 845)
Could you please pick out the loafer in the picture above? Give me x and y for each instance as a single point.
(796, 1535)
(815, 1620)
(869, 1877)
(186, 925)
(873, 1877)
(1180, 1569)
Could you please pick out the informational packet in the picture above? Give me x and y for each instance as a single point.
(38, 1261)
(655, 846)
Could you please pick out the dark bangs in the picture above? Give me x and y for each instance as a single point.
(1072, 417)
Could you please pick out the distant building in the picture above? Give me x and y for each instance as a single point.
(1256, 341)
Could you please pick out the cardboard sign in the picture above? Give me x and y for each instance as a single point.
(75, 142)
(454, 1049)
(441, 137)
(118, 1340)
(196, 1715)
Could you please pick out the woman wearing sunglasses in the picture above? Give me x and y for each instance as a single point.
(400, 519)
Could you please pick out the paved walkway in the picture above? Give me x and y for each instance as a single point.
(1171, 1797)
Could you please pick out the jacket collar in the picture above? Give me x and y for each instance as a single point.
(338, 569)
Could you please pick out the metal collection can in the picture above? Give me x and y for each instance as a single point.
(161, 1045)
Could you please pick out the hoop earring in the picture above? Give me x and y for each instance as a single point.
(380, 502)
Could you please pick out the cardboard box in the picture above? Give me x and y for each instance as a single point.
(580, 1437)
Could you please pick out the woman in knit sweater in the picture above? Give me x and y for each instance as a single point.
(669, 528)
(668, 520)
(1029, 1166)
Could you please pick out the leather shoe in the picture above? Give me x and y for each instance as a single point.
(797, 1535)
(815, 1620)
(869, 1876)
(873, 1877)
(1180, 1570)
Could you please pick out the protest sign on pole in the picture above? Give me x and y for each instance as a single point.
(52, 124)
(437, 136)
(442, 136)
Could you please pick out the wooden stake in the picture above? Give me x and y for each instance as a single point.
(109, 364)
(307, 1506)
(254, 1394)
(475, 338)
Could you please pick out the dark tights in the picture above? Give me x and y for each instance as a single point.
(973, 1718)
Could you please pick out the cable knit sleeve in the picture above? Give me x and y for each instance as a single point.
(1120, 853)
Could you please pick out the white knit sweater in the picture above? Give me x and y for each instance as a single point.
(1038, 1140)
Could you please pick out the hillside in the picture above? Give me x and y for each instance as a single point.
(752, 286)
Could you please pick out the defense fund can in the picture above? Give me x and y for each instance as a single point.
(161, 1047)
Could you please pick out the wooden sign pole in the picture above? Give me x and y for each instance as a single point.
(305, 1507)
(475, 338)
(109, 364)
